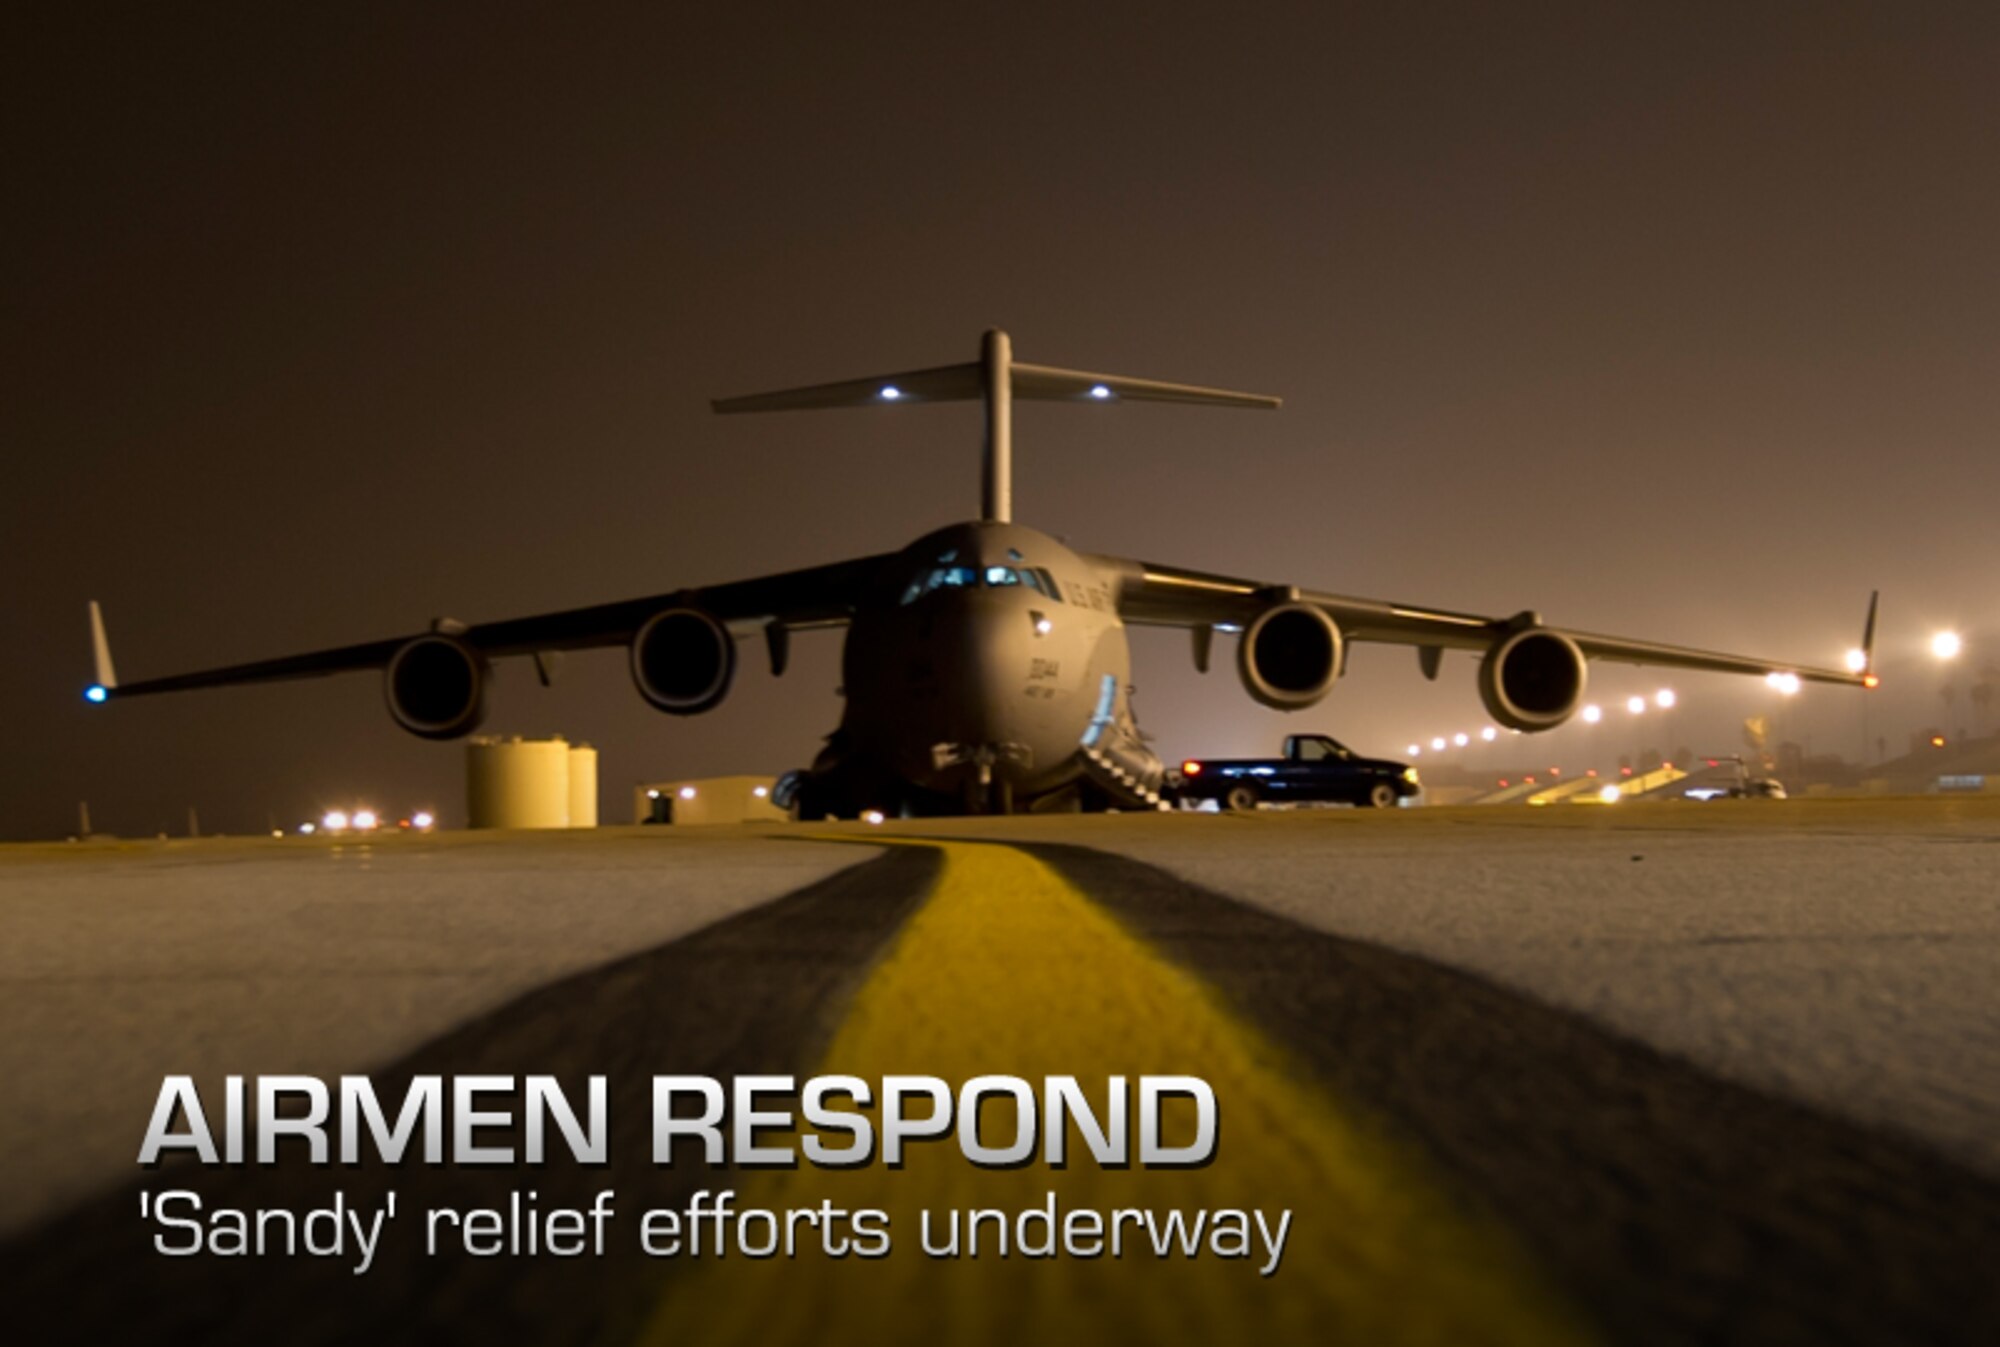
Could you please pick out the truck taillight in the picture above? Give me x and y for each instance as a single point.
(1190, 769)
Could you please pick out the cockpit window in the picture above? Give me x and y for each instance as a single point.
(966, 577)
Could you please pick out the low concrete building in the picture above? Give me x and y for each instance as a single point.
(720, 799)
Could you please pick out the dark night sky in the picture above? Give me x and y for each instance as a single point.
(1674, 322)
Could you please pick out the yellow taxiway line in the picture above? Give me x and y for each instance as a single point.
(1007, 969)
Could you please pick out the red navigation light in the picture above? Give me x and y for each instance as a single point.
(1527, 781)
(1190, 768)
(1624, 771)
(1503, 783)
(1713, 763)
(1555, 771)
(1591, 772)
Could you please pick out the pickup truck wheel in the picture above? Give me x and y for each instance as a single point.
(1382, 795)
(1241, 799)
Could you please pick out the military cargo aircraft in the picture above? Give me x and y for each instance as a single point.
(986, 668)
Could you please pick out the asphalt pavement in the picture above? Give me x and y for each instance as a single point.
(1665, 1074)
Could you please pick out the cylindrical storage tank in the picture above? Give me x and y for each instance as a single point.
(517, 783)
(582, 786)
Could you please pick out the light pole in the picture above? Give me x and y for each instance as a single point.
(1945, 646)
(1857, 663)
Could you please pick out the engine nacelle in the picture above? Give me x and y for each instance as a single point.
(1533, 679)
(436, 686)
(683, 660)
(1290, 656)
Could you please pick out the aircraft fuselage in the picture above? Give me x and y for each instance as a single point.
(990, 655)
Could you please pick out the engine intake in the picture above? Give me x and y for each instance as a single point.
(1290, 656)
(683, 661)
(1533, 679)
(436, 686)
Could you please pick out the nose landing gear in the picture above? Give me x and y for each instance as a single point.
(985, 791)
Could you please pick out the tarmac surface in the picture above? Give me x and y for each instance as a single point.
(1670, 1073)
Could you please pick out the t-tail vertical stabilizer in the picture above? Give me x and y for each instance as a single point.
(998, 380)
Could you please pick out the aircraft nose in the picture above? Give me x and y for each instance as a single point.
(981, 648)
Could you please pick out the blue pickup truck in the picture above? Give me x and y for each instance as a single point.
(1315, 768)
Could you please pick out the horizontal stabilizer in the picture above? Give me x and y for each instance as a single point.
(1046, 383)
(947, 383)
(998, 380)
(966, 383)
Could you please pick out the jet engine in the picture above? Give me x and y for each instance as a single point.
(683, 660)
(1532, 679)
(436, 686)
(1290, 656)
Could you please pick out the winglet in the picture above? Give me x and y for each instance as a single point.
(1868, 641)
(100, 649)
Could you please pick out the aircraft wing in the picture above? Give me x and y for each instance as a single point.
(818, 596)
(1154, 595)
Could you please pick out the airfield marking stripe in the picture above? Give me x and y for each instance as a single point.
(1008, 969)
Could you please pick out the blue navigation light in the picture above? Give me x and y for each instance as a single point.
(95, 693)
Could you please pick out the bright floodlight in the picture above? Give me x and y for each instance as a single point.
(1460, 740)
(307, 829)
(1611, 795)
(1592, 714)
(423, 818)
(1786, 684)
(1416, 750)
(871, 816)
(334, 822)
(95, 693)
(1635, 704)
(1437, 745)
(1946, 645)
(364, 819)
(1665, 699)
(1489, 734)
(760, 791)
(687, 792)
(1857, 661)
(1043, 626)
(1099, 391)
(890, 393)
